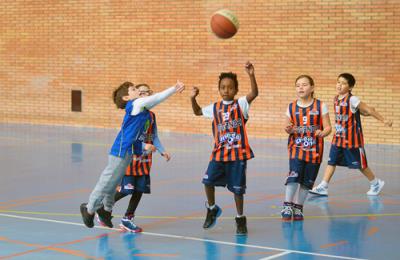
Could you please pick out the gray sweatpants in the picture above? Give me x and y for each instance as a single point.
(105, 189)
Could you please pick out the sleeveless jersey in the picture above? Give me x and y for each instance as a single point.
(141, 164)
(303, 143)
(229, 131)
(348, 128)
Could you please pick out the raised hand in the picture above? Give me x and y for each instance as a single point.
(195, 92)
(249, 68)
(179, 86)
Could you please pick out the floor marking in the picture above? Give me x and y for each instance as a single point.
(275, 256)
(370, 216)
(188, 238)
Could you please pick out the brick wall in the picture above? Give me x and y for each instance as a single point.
(48, 48)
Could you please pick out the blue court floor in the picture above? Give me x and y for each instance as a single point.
(48, 171)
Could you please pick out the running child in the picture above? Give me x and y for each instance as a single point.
(347, 147)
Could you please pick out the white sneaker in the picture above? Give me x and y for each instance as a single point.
(375, 189)
(319, 190)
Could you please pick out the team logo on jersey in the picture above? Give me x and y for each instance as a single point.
(343, 104)
(314, 112)
(129, 187)
(293, 174)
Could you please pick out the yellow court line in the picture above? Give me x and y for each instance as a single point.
(201, 217)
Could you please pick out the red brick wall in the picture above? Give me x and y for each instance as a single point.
(48, 48)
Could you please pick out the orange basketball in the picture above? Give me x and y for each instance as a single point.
(224, 24)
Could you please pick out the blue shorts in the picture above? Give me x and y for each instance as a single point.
(302, 172)
(353, 158)
(227, 174)
(130, 184)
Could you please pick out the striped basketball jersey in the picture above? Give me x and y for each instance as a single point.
(303, 144)
(229, 131)
(141, 164)
(347, 125)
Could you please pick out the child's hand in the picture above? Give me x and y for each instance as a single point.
(249, 68)
(166, 155)
(149, 148)
(318, 133)
(388, 123)
(179, 86)
(195, 92)
(289, 128)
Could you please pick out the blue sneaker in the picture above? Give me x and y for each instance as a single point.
(128, 225)
(212, 215)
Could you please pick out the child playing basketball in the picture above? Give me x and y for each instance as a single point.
(307, 123)
(137, 177)
(348, 141)
(135, 122)
(227, 166)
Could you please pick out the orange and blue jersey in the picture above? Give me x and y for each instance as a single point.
(229, 131)
(141, 164)
(347, 125)
(303, 144)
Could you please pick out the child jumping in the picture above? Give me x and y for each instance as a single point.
(348, 141)
(307, 123)
(137, 177)
(228, 162)
(135, 122)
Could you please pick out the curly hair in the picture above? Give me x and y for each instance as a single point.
(230, 75)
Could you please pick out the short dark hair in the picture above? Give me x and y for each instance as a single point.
(230, 75)
(350, 79)
(120, 92)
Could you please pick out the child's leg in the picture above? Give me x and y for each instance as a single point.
(210, 193)
(133, 203)
(302, 195)
(119, 195)
(329, 171)
(368, 173)
(290, 191)
(109, 180)
(239, 204)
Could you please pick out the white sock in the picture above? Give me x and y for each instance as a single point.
(211, 207)
(239, 216)
(374, 181)
(324, 184)
(290, 190)
(303, 192)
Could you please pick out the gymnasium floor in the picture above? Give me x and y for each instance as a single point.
(48, 171)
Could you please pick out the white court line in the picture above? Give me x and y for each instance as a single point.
(275, 256)
(286, 251)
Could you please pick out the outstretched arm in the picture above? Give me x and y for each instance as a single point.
(366, 110)
(254, 88)
(151, 101)
(195, 106)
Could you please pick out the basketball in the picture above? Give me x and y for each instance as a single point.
(224, 24)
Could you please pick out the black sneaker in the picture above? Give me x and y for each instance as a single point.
(104, 217)
(212, 215)
(241, 226)
(86, 217)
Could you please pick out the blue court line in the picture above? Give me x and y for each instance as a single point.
(286, 251)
